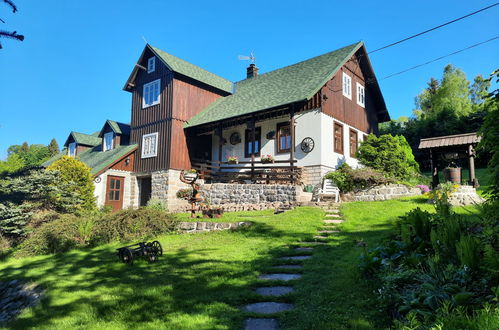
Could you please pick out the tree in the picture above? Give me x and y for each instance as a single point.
(31, 155)
(490, 136)
(389, 154)
(7, 34)
(53, 147)
(77, 178)
(12, 164)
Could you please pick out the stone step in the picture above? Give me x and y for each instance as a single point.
(311, 243)
(279, 277)
(328, 231)
(320, 237)
(288, 267)
(304, 249)
(267, 307)
(335, 221)
(332, 210)
(274, 291)
(332, 215)
(295, 258)
(261, 324)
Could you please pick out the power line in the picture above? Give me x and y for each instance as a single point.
(439, 58)
(434, 28)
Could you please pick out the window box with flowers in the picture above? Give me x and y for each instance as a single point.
(232, 159)
(267, 159)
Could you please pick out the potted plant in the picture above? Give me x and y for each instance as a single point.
(191, 174)
(267, 159)
(232, 159)
(452, 173)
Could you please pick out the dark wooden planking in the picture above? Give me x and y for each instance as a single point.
(122, 164)
(189, 98)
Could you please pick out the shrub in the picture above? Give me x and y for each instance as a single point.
(184, 193)
(389, 154)
(156, 204)
(76, 177)
(348, 179)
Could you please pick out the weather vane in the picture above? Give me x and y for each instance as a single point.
(251, 57)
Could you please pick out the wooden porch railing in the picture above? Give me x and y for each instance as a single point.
(248, 171)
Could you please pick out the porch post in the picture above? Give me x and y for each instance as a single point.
(220, 142)
(434, 170)
(471, 154)
(292, 133)
(252, 136)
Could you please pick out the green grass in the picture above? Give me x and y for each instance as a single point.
(228, 216)
(203, 279)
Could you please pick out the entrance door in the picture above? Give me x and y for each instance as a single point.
(144, 190)
(114, 195)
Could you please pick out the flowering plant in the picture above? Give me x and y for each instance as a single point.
(441, 197)
(267, 159)
(233, 159)
(424, 188)
(192, 171)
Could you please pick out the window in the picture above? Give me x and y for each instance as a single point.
(353, 143)
(114, 189)
(361, 96)
(347, 86)
(151, 64)
(283, 137)
(72, 149)
(249, 147)
(151, 93)
(108, 141)
(150, 145)
(338, 138)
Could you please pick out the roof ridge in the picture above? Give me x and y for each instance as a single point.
(197, 66)
(306, 60)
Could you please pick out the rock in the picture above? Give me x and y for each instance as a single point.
(268, 307)
(274, 291)
(261, 324)
(279, 277)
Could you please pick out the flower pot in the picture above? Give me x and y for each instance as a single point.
(233, 162)
(267, 161)
(452, 174)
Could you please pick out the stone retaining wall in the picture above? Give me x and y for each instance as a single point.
(201, 226)
(465, 195)
(223, 194)
(381, 193)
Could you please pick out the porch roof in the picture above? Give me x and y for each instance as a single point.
(294, 83)
(449, 140)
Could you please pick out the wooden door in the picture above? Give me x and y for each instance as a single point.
(114, 194)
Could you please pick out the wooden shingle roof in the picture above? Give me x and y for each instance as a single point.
(449, 140)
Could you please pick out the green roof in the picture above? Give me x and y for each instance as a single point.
(294, 83)
(85, 139)
(192, 71)
(95, 158)
(117, 127)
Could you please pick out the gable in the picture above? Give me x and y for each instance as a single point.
(116, 127)
(179, 66)
(82, 139)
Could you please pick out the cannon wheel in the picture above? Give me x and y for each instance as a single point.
(157, 247)
(126, 256)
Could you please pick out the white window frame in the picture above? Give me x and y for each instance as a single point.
(347, 86)
(151, 64)
(152, 153)
(149, 91)
(72, 149)
(104, 144)
(361, 95)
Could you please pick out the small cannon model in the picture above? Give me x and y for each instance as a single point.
(150, 251)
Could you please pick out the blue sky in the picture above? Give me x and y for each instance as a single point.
(69, 72)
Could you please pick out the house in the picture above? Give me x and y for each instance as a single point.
(309, 116)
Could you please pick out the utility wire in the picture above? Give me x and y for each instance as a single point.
(434, 28)
(439, 58)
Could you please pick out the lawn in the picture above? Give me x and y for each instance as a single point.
(203, 279)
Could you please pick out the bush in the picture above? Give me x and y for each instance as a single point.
(76, 177)
(388, 154)
(348, 179)
(157, 204)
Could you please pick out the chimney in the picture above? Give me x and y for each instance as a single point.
(251, 71)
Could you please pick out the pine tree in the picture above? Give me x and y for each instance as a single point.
(53, 147)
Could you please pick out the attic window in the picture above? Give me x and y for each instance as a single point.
(347, 86)
(72, 149)
(361, 96)
(151, 93)
(151, 64)
(108, 141)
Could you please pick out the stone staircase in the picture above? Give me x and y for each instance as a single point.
(287, 271)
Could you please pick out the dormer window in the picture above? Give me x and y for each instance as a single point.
(72, 149)
(347, 86)
(151, 93)
(108, 141)
(151, 64)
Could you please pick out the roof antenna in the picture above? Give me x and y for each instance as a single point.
(144, 38)
(251, 57)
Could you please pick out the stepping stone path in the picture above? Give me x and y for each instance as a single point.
(271, 307)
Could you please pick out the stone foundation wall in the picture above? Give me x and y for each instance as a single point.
(465, 195)
(381, 193)
(313, 174)
(201, 226)
(222, 193)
